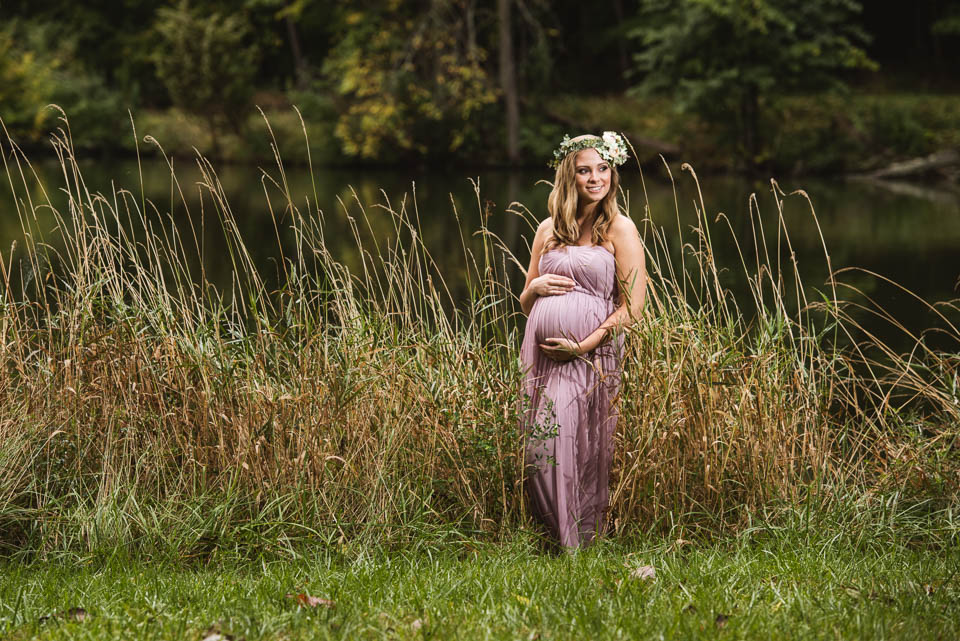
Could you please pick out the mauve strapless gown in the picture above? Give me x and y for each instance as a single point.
(570, 419)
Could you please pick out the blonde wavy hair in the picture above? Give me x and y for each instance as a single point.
(563, 200)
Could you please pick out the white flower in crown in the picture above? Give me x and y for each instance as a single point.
(616, 147)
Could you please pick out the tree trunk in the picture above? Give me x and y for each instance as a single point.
(299, 64)
(621, 45)
(214, 135)
(470, 12)
(935, 163)
(749, 121)
(508, 82)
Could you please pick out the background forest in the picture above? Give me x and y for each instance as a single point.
(788, 85)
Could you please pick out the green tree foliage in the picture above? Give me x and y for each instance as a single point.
(106, 38)
(727, 60)
(24, 83)
(206, 63)
(39, 66)
(408, 76)
(949, 24)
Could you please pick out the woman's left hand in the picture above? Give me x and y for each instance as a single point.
(560, 349)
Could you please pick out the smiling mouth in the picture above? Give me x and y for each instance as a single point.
(595, 189)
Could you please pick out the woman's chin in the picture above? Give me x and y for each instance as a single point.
(591, 198)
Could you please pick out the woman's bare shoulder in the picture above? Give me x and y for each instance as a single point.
(545, 228)
(622, 225)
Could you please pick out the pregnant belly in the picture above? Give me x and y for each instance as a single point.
(573, 315)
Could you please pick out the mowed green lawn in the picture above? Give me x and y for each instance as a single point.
(783, 586)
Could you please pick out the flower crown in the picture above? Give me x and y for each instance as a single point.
(611, 146)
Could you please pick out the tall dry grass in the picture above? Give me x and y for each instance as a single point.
(143, 405)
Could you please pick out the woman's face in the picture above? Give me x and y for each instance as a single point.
(592, 174)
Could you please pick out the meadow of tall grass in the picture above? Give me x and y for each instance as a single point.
(141, 405)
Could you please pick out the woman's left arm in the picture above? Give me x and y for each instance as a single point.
(632, 276)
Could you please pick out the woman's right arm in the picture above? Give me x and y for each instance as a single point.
(537, 284)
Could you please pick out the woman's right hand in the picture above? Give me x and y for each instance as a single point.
(551, 285)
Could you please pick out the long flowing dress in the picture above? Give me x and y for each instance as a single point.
(570, 419)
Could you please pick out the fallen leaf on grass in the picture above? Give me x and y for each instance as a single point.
(873, 595)
(680, 543)
(644, 572)
(311, 601)
(886, 598)
(213, 633)
(78, 615)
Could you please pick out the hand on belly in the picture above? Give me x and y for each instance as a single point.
(560, 349)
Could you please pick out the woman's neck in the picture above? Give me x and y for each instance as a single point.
(586, 214)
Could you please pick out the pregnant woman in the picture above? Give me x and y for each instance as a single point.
(586, 280)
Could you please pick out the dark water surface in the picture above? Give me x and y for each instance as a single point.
(906, 232)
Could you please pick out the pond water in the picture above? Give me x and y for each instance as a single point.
(906, 232)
